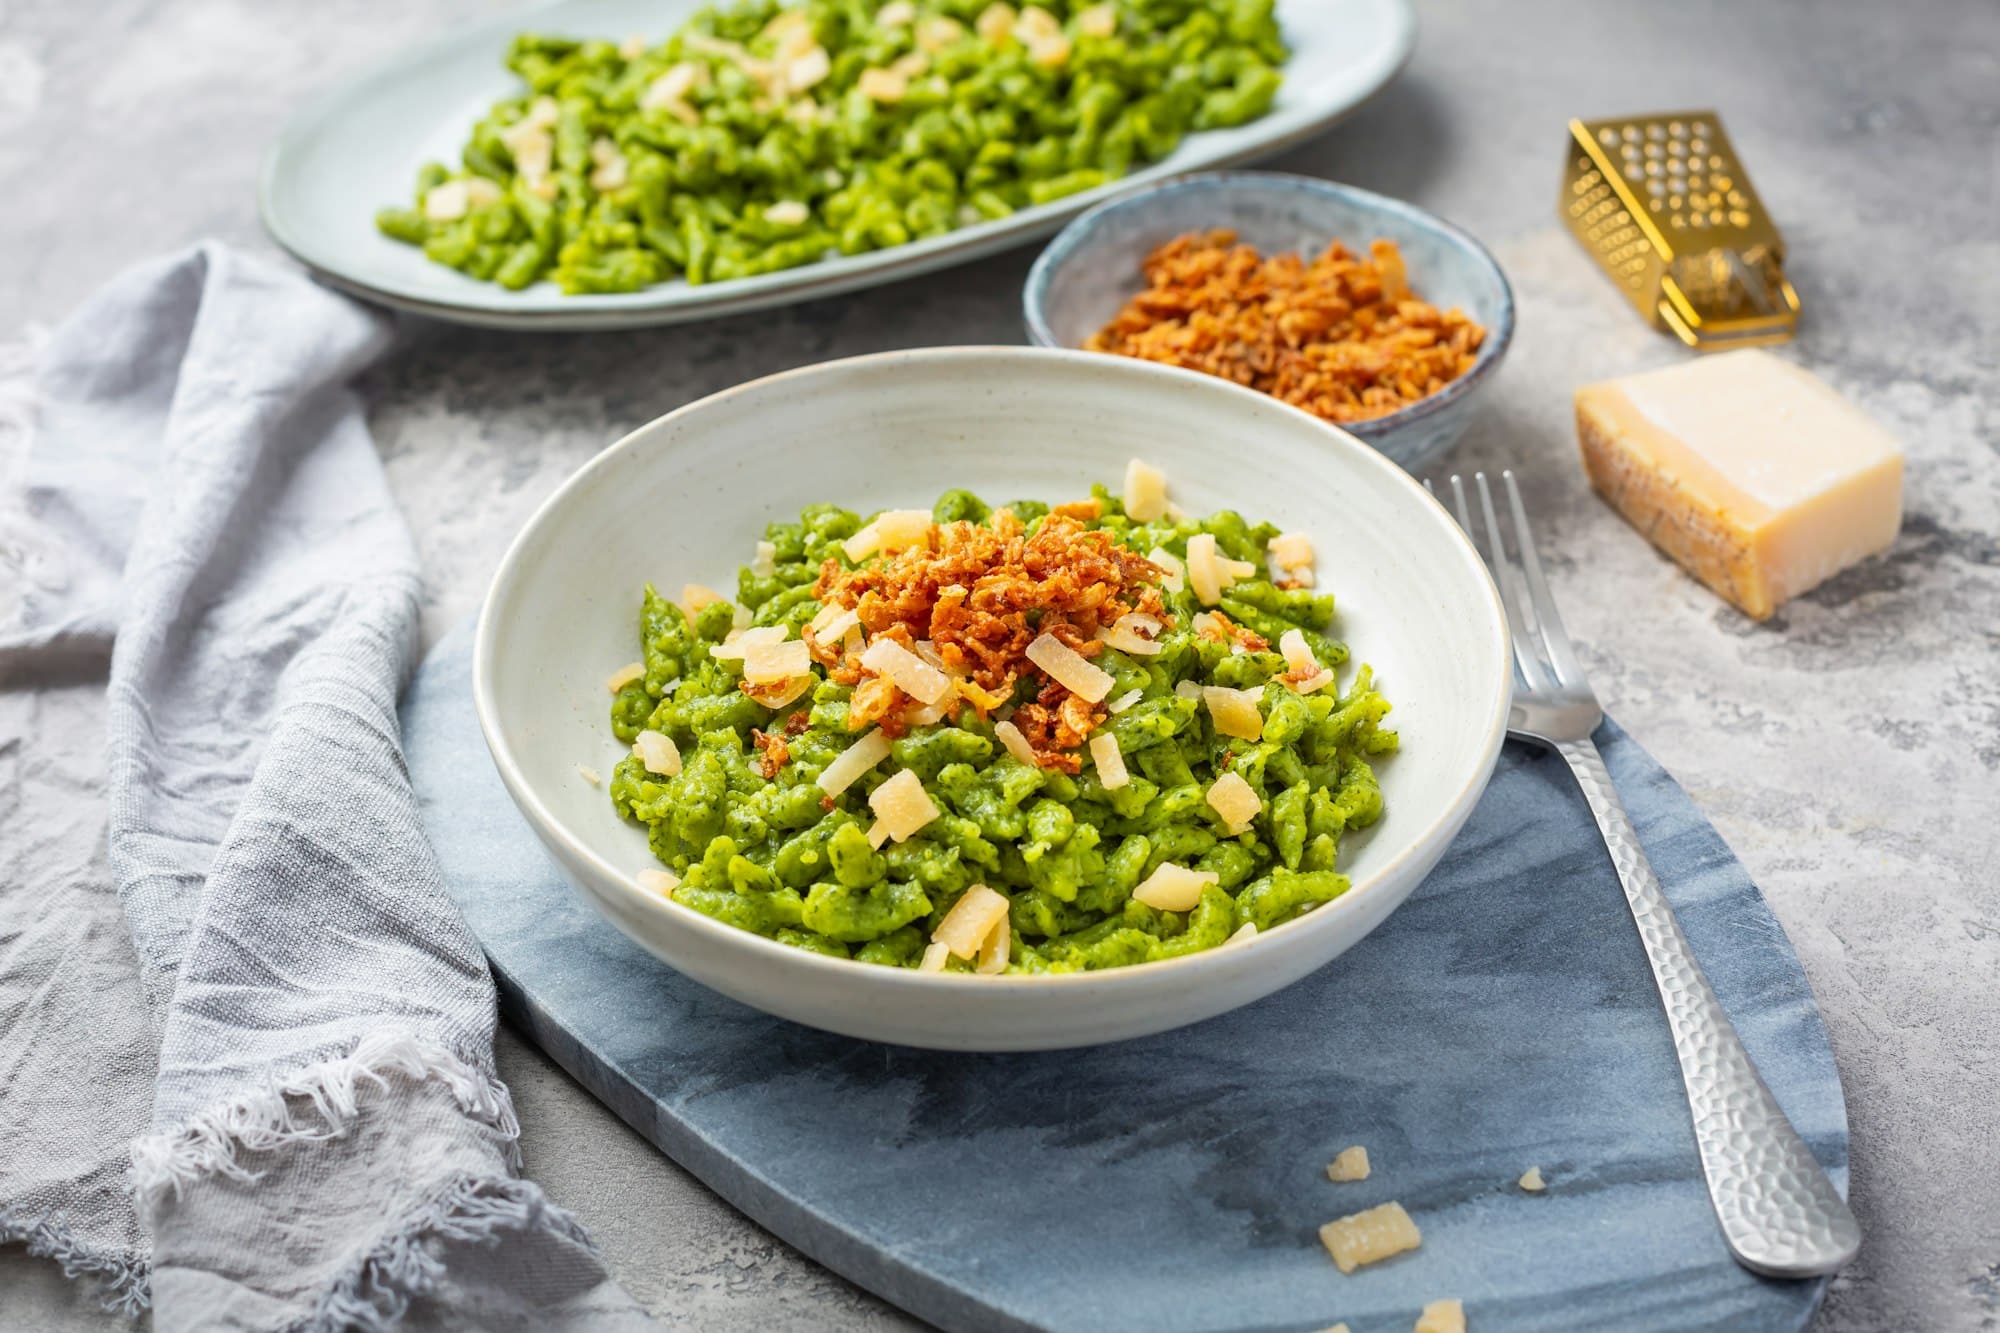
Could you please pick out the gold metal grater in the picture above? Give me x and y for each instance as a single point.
(1663, 204)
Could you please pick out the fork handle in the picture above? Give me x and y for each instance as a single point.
(1780, 1214)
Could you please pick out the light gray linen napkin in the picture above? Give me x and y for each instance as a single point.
(256, 1085)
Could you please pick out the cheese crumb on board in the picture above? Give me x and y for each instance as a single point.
(1755, 475)
(902, 804)
(1349, 1164)
(1370, 1236)
(1531, 1180)
(1442, 1317)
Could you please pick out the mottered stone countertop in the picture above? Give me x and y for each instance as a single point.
(1848, 750)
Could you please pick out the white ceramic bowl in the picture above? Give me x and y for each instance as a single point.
(685, 498)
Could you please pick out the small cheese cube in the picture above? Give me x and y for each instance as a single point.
(1235, 800)
(1110, 761)
(970, 920)
(1369, 1236)
(1752, 473)
(934, 957)
(903, 805)
(1442, 1317)
(910, 673)
(1234, 712)
(994, 950)
(1145, 491)
(1349, 1164)
(1531, 1180)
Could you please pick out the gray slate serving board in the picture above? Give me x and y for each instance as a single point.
(1502, 1018)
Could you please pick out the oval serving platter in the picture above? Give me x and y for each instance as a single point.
(358, 147)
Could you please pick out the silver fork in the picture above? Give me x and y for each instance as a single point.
(1780, 1214)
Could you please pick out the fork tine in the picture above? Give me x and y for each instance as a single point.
(1555, 638)
(1487, 538)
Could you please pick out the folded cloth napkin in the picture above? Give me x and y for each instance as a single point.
(264, 1097)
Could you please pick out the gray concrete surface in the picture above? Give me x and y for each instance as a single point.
(1849, 750)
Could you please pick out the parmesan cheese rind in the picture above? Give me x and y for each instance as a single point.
(1442, 1317)
(1145, 491)
(1235, 800)
(1174, 888)
(852, 762)
(657, 751)
(1349, 1164)
(910, 673)
(903, 805)
(1110, 761)
(1069, 669)
(625, 675)
(966, 926)
(1370, 1236)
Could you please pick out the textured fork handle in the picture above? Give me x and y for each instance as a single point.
(1780, 1214)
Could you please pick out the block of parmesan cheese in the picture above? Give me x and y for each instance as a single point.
(1752, 473)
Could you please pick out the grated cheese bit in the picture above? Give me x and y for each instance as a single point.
(625, 675)
(1234, 712)
(1132, 633)
(878, 833)
(1297, 652)
(935, 954)
(1235, 800)
(1124, 701)
(1292, 550)
(662, 882)
(1145, 488)
(1069, 668)
(970, 920)
(1370, 1236)
(1442, 1317)
(910, 673)
(694, 596)
(1244, 933)
(994, 950)
(1531, 1180)
(1110, 761)
(738, 644)
(1349, 1164)
(590, 775)
(1174, 888)
(852, 762)
(902, 804)
(767, 664)
(1176, 578)
(1016, 743)
(657, 751)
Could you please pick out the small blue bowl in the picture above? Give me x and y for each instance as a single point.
(1092, 268)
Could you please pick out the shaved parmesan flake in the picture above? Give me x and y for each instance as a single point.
(1203, 575)
(852, 762)
(1174, 888)
(996, 23)
(1125, 701)
(927, 650)
(738, 645)
(837, 626)
(1110, 761)
(1145, 489)
(1292, 550)
(903, 805)
(625, 675)
(769, 663)
(895, 14)
(910, 673)
(662, 882)
(740, 618)
(1244, 933)
(1069, 669)
(1298, 653)
(590, 775)
(765, 562)
(1531, 1180)
(1017, 744)
(1442, 1317)
(923, 717)
(1133, 633)
(882, 85)
(695, 596)
(1176, 578)
(980, 696)
(937, 32)
(995, 948)
(970, 920)
(1369, 1236)
(1349, 1164)
(878, 833)
(777, 696)
(657, 751)
(1100, 21)
(1235, 800)
(1234, 712)
(1188, 689)
(1317, 681)
(786, 213)
(892, 529)
(934, 955)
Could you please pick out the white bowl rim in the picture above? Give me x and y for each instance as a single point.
(551, 831)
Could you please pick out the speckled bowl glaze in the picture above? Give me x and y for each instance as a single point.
(1092, 268)
(683, 499)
